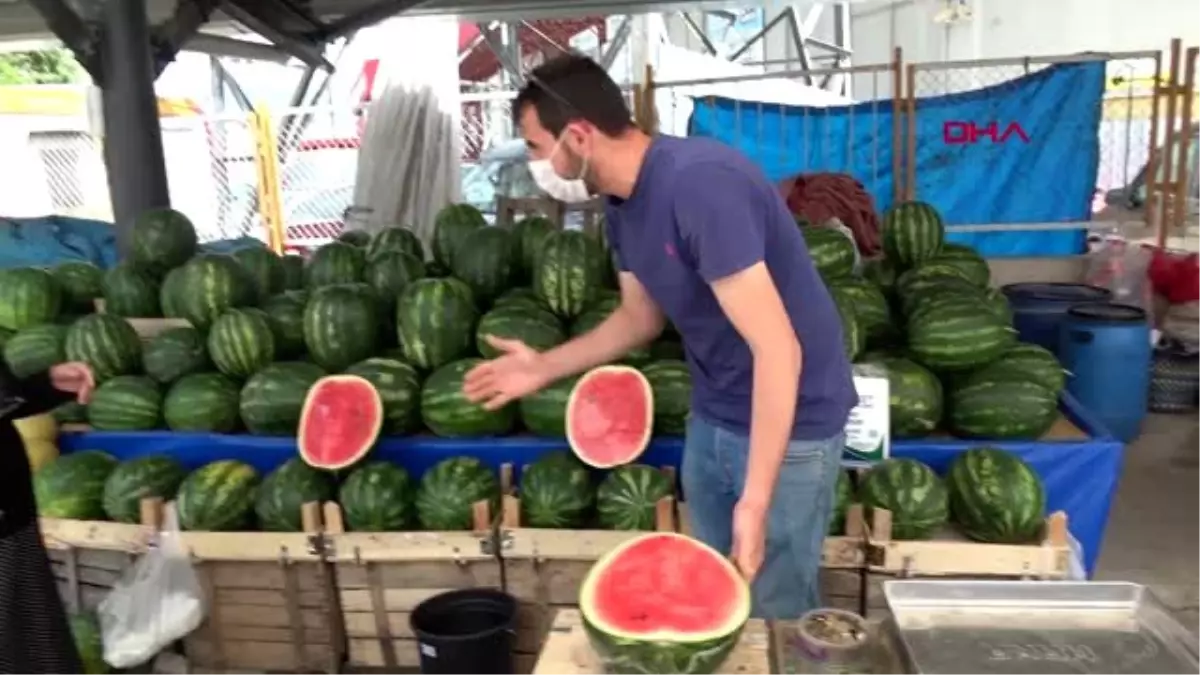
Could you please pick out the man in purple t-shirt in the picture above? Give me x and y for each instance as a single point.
(701, 237)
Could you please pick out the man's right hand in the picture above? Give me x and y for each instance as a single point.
(518, 371)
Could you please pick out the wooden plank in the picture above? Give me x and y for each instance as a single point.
(226, 653)
(567, 651)
(60, 533)
(395, 547)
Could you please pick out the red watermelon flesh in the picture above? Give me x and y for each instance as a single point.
(610, 416)
(340, 422)
(665, 583)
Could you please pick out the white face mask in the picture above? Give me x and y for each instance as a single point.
(569, 190)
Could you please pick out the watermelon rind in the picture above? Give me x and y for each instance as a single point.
(580, 389)
(661, 651)
(373, 420)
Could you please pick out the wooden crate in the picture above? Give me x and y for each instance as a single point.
(381, 577)
(568, 652)
(88, 557)
(544, 568)
(271, 601)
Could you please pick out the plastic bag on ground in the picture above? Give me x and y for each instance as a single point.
(155, 603)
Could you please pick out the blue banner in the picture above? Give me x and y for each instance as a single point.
(1023, 151)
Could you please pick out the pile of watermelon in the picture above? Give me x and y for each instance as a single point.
(925, 313)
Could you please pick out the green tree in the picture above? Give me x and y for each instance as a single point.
(46, 66)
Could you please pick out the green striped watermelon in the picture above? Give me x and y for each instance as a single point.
(202, 402)
(80, 283)
(335, 263)
(435, 320)
(211, 284)
(1002, 409)
(286, 313)
(521, 296)
(628, 497)
(241, 343)
(930, 276)
(912, 233)
(556, 492)
(872, 313)
(161, 239)
(913, 493)
(218, 497)
(399, 387)
(175, 352)
(595, 315)
(843, 497)
(341, 325)
(568, 272)
(86, 633)
(264, 268)
(530, 233)
(293, 271)
(853, 336)
(451, 226)
(671, 383)
(106, 343)
(72, 486)
(128, 291)
(956, 335)
(34, 349)
(449, 414)
(71, 412)
(137, 479)
(881, 272)
(832, 251)
(28, 297)
(273, 398)
(395, 239)
(390, 272)
(378, 497)
(537, 328)
(448, 491)
(487, 261)
(359, 238)
(968, 261)
(915, 398)
(544, 412)
(997, 301)
(995, 497)
(126, 403)
(171, 296)
(282, 495)
(1023, 361)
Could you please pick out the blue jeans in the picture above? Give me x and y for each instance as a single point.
(713, 475)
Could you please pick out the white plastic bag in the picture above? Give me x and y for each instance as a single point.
(155, 603)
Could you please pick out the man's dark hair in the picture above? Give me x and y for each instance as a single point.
(574, 87)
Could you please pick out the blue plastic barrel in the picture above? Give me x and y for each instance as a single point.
(1105, 348)
(1039, 308)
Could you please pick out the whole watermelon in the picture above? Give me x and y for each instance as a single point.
(273, 398)
(341, 325)
(912, 233)
(80, 283)
(72, 486)
(556, 492)
(209, 285)
(286, 313)
(853, 336)
(129, 291)
(595, 314)
(538, 328)
(450, 227)
(449, 490)
(968, 261)
(544, 412)
(126, 403)
(218, 497)
(390, 272)
(335, 263)
(530, 233)
(160, 240)
(88, 639)
(202, 402)
(34, 349)
(1023, 361)
(995, 497)
(915, 398)
(954, 335)
(521, 296)
(106, 343)
(872, 312)
(628, 497)
(569, 272)
(171, 296)
(378, 497)
(395, 239)
(832, 251)
(671, 383)
(399, 387)
(175, 352)
(435, 320)
(264, 269)
(358, 238)
(284, 492)
(913, 493)
(1002, 409)
(137, 479)
(293, 271)
(241, 342)
(448, 413)
(28, 297)
(487, 260)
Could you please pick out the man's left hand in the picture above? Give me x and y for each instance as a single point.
(74, 377)
(749, 537)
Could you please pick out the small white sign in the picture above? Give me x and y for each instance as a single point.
(868, 436)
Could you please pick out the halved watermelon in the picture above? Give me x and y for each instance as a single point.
(340, 421)
(610, 416)
(664, 603)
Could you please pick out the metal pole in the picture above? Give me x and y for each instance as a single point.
(133, 149)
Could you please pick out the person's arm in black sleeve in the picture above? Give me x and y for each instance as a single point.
(37, 393)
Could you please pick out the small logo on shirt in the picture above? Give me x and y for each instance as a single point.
(670, 249)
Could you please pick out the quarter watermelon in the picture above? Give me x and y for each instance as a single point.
(202, 402)
(390, 272)
(843, 496)
(28, 297)
(995, 497)
(610, 416)
(448, 413)
(264, 269)
(88, 639)
(137, 479)
(175, 352)
(209, 285)
(530, 233)
(832, 251)
(273, 398)
(435, 320)
(397, 239)
(218, 497)
(569, 272)
(664, 603)
(282, 495)
(399, 387)
(912, 233)
(672, 386)
(128, 291)
(106, 343)
(913, 493)
(448, 492)
(487, 260)
(955, 335)
(915, 398)
(1022, 361)
(544, 413)
(286, 314)
(378, 497)
(556, 492)
(872, 313)
(537, 328)
(335, 263)
(341, 326)
(241, 342)
(160, 240)
(34, 349)
(451, 226)
(340, 422)
(1002, 409)
(968, 261)
(293, 271)
(80, 283)
(126, 403)
(628, 497)
(72, 486)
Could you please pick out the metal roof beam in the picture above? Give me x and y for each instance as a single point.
(617, 43)
(265, 21)
(78, 36)
(168, 37)
(368, 16)
(219, 45)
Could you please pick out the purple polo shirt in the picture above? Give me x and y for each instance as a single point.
(701, 211)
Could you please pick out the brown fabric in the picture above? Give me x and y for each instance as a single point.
(817, 197)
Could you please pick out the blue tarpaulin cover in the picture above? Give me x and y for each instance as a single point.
(1080, 476)
(1023, 151)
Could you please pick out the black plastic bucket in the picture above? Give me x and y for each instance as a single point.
(466, 631)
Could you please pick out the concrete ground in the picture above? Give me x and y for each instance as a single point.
(1153, 535)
